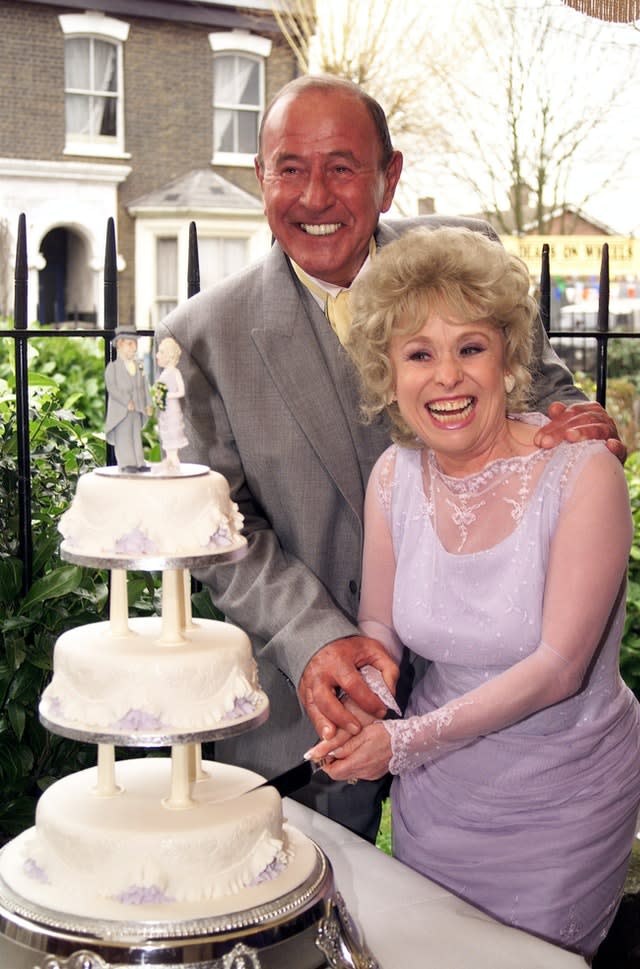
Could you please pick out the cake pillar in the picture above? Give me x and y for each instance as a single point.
(180, 796)
(196, 773)
(106, 786)
(173, 608)
(188, 616)
(118, 603)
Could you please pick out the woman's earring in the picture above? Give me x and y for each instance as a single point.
(509, 382)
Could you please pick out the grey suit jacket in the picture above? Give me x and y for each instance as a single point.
(272, 404)
(123, 387)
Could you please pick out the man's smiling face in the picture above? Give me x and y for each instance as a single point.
(322, 181)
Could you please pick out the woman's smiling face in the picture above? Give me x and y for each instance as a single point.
(449, 385)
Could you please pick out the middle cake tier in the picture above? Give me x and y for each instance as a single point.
(138, 690)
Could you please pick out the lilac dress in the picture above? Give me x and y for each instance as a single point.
(170, 420)
(518, 761)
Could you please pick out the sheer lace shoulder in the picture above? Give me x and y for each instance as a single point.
(477, 512)
(383, 476)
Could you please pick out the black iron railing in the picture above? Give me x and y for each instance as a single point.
(21, 334)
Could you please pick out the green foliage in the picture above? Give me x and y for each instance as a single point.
(66, 419)
(623, 360)
(76, 366)
(61, 595)
(384, 839)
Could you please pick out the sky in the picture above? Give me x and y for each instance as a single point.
(613, 65)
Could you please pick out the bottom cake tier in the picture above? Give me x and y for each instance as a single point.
(307, 928)
(130, 856)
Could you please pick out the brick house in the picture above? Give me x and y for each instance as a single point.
(141, 110)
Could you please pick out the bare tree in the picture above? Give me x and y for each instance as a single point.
(538, 126)
(392, 51)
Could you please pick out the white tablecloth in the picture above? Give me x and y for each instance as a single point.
(409, 922)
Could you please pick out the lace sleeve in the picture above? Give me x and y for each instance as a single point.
(587, 565)
(378, 562)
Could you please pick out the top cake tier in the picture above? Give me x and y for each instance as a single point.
(152, 520)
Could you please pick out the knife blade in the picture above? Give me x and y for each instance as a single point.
(291, 780)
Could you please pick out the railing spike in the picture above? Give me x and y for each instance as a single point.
(110, 278)
(193, 266)
(110, 305)
(545, 289)
(25, 537)
(603, 327)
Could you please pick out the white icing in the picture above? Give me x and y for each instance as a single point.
(127, 856)
(149, 515)
(106, 683)
(140, 839)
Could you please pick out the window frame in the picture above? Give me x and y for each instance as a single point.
(252, 47)
(149, 227)
(97, 27)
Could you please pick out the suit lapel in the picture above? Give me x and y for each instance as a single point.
(299, 371)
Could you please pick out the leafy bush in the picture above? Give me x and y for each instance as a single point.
(61, 596)
(64, 443)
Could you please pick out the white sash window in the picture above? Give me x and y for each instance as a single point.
(238, 95)
(93, 83)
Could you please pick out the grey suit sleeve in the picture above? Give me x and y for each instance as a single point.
(552, 379)
(270, 593)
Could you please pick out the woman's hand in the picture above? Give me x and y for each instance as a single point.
(365, 757)
(325, 748)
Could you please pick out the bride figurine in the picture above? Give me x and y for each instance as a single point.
(168, 392)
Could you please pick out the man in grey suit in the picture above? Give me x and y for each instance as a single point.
(272, 404)
(129, 402)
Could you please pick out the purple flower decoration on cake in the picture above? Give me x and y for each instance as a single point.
(135, 542)
(136, 720)
(221, 537)
(273, 869)
(143, 895)
(33, 870)
(242, 707)
(55, 707)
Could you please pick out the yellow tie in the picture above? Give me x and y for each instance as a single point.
(338, 313)
(337, 307)
(333, 306)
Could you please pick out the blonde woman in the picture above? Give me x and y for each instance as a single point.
(517, 761)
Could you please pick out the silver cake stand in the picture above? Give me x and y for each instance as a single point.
(306, 928)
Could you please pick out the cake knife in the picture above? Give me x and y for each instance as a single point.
(291, 780)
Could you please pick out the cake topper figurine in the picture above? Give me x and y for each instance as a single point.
(129, 403)
(168, 392)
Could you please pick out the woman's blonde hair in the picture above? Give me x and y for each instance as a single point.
(455, 272)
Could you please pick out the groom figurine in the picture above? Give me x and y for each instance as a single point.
(129, 404)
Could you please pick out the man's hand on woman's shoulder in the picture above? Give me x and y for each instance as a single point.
(583, 421)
